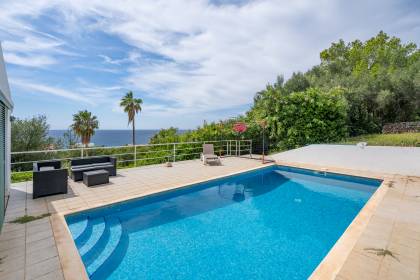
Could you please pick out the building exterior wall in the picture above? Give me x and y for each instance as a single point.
(8, 158)
(5, 133)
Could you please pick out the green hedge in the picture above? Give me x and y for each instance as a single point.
(311, 116)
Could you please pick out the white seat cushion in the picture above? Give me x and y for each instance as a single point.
(46, 168)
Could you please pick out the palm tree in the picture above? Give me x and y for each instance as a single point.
(84, 125)
(131, 106)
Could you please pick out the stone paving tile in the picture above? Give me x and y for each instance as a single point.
(36, 228)
(10, 265)
(54, 275)
(39, 245)
(12, 243)
(41, 255)
(15, 275)
(13, 252)
(40, 235)
(12, 234)
(42, 268)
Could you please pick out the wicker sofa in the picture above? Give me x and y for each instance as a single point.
(49, 178)
(80, 165)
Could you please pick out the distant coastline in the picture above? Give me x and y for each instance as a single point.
(114, 137)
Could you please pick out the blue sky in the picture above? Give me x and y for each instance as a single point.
(189, 60)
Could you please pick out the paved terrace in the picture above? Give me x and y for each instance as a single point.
(43, 249)
(29, 251)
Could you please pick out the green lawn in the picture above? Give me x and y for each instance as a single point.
(402, 139)
(21, 176)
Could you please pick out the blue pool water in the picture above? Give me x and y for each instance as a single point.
(277, 222)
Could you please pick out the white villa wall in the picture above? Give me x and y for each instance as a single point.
(4, 84)
(5, 97)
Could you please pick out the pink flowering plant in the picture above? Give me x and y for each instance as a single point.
(240, 127)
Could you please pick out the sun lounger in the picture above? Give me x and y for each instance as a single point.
(208, 154)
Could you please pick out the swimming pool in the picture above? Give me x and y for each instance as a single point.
(276, 222)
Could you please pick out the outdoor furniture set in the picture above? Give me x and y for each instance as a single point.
(49, 177)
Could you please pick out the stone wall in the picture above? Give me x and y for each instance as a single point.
(401, 127)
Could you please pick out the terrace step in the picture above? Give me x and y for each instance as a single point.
(112, 254)
(98, 228)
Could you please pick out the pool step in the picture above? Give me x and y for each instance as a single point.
(98, 228)
(78, 228)
(85, 235)
(99, 246)
(113, 252)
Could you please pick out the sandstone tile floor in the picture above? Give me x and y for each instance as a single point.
(395, 226)
(29, 251)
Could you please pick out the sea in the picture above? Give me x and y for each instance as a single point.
(115, 137)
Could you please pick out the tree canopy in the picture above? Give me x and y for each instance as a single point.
(356, 89)
(30, 134)
(84, 125)
(380, 78)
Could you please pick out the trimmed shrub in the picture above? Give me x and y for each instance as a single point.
(311, 116)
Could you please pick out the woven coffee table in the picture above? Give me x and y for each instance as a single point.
(96, 177)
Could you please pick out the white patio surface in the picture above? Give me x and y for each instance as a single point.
(390, 160)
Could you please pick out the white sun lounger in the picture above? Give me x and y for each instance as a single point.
(208, 154)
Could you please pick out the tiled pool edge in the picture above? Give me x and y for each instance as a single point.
(329, 267)
(333, 262)
(336, 257)
(71, 263)
(70, 260)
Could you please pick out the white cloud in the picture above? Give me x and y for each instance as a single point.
(39, 61)
(31, 44)
(207, 57)
(40, 88)
(133, 57)
(25, 44)
(219, 56)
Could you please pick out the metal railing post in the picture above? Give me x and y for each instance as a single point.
(135, 155)
(227, 148)
(81, 152)
(250, 148)
(232, 152)
(174, 152)
(239, 147)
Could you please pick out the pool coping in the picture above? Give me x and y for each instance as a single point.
(332, 263)
(328, 268)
